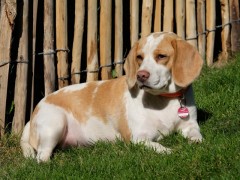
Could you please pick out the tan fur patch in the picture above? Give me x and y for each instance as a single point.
(187, 63)
(131, 66)
(165, 48)
(104, 101)
(76, 102)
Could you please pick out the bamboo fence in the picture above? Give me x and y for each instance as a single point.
(105, 37)
(62, 42)
(92, 55)
(7, 17)
(201, 19)
(191, 24)
(168, 16)
(48, 45)
(20, 95)
(91, 42)
(180, 18)
(77, 41)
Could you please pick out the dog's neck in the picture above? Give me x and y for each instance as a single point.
(177, 94)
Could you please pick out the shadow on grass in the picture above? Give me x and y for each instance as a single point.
(203, 116)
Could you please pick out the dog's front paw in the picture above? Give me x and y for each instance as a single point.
(157, 147)
(196, 139)
(194, 136)
(163, 150)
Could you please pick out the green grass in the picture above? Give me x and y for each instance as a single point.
(217, 94)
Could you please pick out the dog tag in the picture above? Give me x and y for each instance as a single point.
(183, 112)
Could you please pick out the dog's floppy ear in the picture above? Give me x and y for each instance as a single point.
(187, 63)
(131, 67)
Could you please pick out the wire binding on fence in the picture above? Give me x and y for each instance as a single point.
(51, 51)
(212, 30)
(92, 71)
(11, 62)
(122, 62)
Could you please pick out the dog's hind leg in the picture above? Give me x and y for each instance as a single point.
(27, 149)
(50, 133)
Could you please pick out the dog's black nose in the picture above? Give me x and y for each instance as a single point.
(142, 75)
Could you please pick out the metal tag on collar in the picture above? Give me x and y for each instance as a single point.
(183, 111)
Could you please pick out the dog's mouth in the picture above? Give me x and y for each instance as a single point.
(152, 90)
(144, 87)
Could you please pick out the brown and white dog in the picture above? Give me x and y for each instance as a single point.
(141, 107)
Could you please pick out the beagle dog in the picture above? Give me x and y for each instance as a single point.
(152, 100)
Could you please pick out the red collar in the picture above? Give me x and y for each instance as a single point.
(175, 94)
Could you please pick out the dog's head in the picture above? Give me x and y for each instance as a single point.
(162, 62)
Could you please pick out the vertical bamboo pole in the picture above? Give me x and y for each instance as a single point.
(191, 22)
(8, 15)
(201, 26)
(147, 8)
(35, 10)
(180, 18)
(1, 5)
(62, 42)
(210, 24)
(105, 37)
(20, 96)
(118, 46)
(225, 34)
(157, 16)
(49, 67)
(235, 35)
(134, 21)
(168, 16)
(77, 40)
(92, 55)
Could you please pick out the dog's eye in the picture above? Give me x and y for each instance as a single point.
(139, 57)
(161, 56)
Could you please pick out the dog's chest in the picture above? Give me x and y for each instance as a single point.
(152, 117)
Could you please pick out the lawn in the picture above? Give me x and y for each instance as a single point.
(217, 94)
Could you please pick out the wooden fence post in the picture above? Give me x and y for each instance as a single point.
(77, 40)
(7, 17)
(118, 46)
(147, 7)
(180, 18)
(235, 35)
(191, 23)
(168, 16)
(49, 67)
(35, 10)
(62, 42)
(105, 37)
(20, 96)
(92, 54)
(225, 34)
(211, 22)
(134, 21)
(201, 27)
(158, 16)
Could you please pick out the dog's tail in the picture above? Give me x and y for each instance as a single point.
(27, 149)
